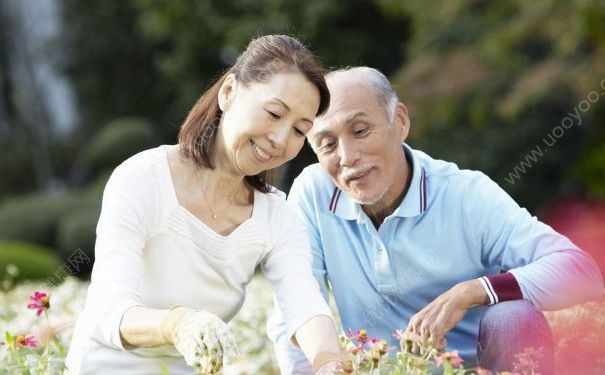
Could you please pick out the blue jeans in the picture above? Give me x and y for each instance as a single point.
(506, 329)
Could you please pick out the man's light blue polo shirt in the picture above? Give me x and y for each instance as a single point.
(453, 225)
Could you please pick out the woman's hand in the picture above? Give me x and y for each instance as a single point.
(201, 337)
(332, 363)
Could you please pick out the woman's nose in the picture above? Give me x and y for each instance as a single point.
(278, 137)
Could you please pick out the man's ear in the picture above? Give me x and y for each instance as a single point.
(226, 92)
(402, 121)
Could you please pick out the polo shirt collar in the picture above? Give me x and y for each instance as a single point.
(413, 204)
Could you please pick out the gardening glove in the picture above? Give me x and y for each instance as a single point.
(331, 363)
(201, 337)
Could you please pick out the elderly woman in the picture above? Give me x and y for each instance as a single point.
(183, 227)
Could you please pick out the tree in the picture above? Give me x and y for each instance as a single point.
(490, 83)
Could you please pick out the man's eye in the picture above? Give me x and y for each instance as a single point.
(328, 146)
(361, 131)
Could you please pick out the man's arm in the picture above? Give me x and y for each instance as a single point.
(538, 264)
(543, 266)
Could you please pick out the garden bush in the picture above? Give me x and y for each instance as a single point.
(34, 218)
(76, 230)
(17, 176)
(117, 141)
(33, 261)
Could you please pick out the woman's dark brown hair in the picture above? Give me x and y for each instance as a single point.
(264, 56)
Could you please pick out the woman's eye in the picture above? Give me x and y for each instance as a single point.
(273, 114)
(299, 132)
(361, 131)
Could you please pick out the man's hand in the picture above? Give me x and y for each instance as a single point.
(432, 322)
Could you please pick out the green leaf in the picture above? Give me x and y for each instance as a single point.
(10, 339)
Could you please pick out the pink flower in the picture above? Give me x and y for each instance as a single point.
(361, 336)
(452, 357)
(528, 360)
(40, 302)
(399, 334)
(26, 341)
(378, 345)
(354, 349)
(402, 335)
(406, 339)
(351, 334)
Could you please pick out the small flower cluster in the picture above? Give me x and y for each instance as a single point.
(25, 352)
(40, 302)
(371, 355)
(365, 351)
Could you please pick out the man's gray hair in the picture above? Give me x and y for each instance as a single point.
(385, 94)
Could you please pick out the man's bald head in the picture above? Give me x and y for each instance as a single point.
(368, 77)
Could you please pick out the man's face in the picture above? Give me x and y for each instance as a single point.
(357, 143)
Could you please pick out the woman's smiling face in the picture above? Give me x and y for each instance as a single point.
(264, 124)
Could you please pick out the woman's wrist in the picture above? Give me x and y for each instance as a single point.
(323, 358)
(170, 321)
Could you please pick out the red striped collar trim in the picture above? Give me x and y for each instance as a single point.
(334, 200)
(422, 191)
(422, 187)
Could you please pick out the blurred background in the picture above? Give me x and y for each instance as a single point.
(515, 89)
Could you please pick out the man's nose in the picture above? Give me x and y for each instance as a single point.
(348, 153)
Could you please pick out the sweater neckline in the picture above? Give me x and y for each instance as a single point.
(258, 199)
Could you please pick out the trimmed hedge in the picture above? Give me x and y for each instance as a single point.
(117, 141)
(33, 261)
(34, 218)
(77, 230)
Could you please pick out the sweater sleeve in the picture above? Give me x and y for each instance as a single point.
(291, 359)
(288, 266)
(536, 262)
(122, 231)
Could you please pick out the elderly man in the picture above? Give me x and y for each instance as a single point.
(407, 241)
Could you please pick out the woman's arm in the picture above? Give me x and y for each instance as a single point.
(141, 327)
(288, 266)
(122, 231)
(201, 337)
(318, 340)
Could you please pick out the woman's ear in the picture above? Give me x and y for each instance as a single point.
(226, 92)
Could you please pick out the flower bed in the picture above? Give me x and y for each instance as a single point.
(579, 335)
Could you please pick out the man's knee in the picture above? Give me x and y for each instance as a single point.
(512, 317)
(507, 329)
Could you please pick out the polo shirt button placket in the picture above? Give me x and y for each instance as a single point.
(382, 269)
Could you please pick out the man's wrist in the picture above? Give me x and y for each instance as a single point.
(473, 293)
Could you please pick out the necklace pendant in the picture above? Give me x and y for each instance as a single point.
(214, 216)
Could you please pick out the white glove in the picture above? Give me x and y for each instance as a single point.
(331, 363)
(202, 338)
(334, 368)
(329, 368)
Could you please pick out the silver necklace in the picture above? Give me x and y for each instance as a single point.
(215, 213)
